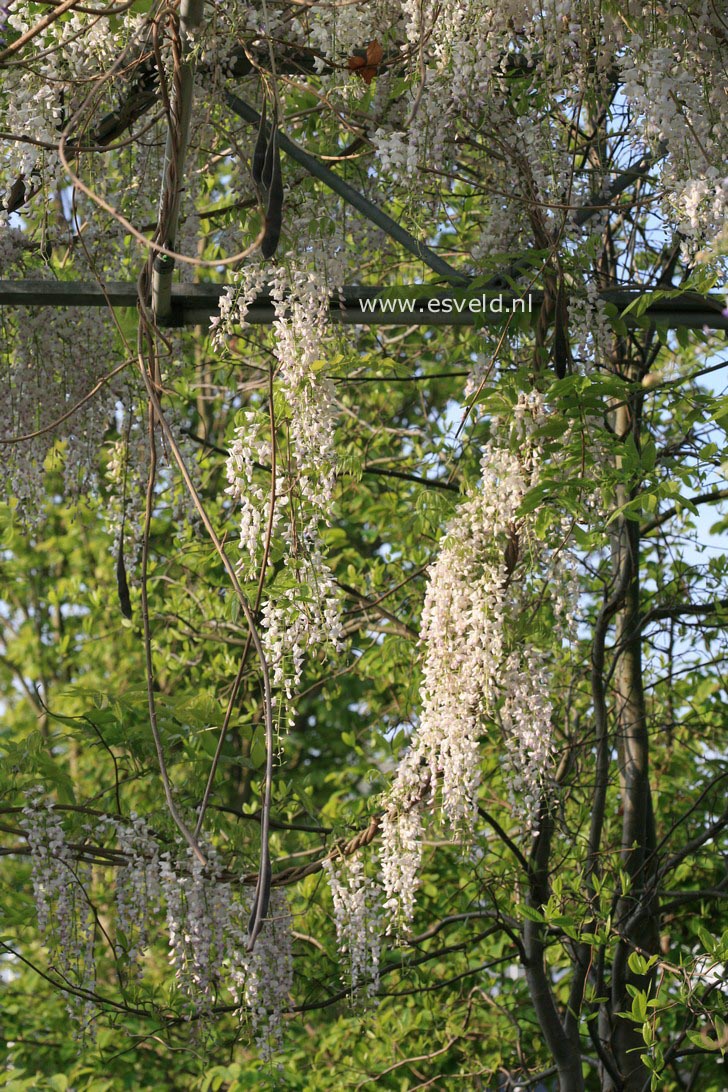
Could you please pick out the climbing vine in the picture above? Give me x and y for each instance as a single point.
(363, 630)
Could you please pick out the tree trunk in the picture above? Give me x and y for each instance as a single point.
(636, 917)
(564, 1047)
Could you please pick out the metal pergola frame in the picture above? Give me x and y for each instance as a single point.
(196, 304)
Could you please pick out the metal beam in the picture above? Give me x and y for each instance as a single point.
(196, 304)
(352, 197)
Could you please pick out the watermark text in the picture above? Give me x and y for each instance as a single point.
(497, 304)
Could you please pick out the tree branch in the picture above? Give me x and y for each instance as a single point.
(711, 497)
(684, 610)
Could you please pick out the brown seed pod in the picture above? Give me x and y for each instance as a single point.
(16, 195)
(561, 347)
(260, 149)
(512, 550)
(266, 176)
(122, 585)
(274, 209)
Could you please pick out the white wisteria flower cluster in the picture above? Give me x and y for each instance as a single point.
(65, 916)
(249, 451)
(265, 985)
(67, 51)
(304, 617)
(481, 674)
(203, 910)
(301, 610)
(207, 918)
(357, 901)
(462, 55)
(52, 363)
(197, 914)
(137, 884)
(301, 302)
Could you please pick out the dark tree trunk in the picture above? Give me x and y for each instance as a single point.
(636, 917)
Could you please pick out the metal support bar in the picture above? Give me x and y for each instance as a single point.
(353, 197)
(196, 304)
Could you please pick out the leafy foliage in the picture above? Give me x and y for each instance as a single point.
(292, 609)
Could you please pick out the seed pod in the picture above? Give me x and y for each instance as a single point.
(261, 900)
(270, 151)
(274, 210)
(121, 581)
(260, 149)
(512, 551)
(16, 195)
(562, 348)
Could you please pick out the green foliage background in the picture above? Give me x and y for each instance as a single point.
(455, 1007)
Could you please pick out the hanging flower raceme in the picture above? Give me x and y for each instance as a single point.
(303, 617)
(205, 911)
(65, 915)
(249, 450)
(54, 372)
(196, 919)
(269, 976)
(476, 677)
(137, 885)
(301, 610)
(356, 899)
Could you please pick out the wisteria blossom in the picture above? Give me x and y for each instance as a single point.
(303, 611)
(269, 977)
(204, 911)
(137, 885)
(474, 680)
(357, 900)
(65, 915)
